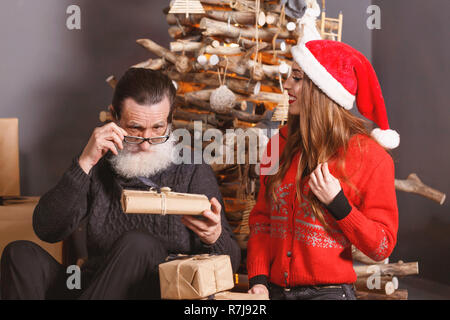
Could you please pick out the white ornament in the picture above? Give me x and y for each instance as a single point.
(175, 84)
(213, 60)
(202, 60)
(283, 46)
(291, 26)
(222, 99)
(262, 19)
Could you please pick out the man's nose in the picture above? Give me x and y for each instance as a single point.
(144, 146)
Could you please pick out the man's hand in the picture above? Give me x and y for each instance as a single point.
(323, 184)
(210, 229)
(259, 289)
(102, 139)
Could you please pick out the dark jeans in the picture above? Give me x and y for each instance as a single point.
(336, 292)
(129, 271)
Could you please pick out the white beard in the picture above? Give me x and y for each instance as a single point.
(131, 163)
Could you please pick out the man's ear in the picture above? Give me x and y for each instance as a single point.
(113, 112)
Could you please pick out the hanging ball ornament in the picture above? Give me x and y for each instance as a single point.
(222, 99)
(291, 26)
(213, 60)
(202, 59)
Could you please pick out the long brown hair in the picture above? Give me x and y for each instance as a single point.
(318, 132)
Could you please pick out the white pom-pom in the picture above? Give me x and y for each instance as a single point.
(175, 84)
(222, 99)
(291, 26)
(213, 60)
(202, 60)
(283, 46)
(389, 139)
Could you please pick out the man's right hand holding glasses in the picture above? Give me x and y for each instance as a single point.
(103, 139)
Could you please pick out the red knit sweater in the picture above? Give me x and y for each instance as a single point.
(289, 246)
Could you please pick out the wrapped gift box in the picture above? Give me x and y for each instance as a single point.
(16, 218)
(165, 202)
(195, 277)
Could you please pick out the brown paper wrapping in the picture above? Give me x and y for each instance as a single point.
(9, 157)
(16, 223)
(227, 295)
(151, 202)
(195, 277)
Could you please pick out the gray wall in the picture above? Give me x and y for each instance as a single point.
(411, 56)
(52, 79)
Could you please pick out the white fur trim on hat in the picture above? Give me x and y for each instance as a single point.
(389, 139)
(321, 77)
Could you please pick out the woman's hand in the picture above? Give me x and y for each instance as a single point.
(323, 184)
(259, 289)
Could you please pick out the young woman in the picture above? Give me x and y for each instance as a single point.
(334, 187)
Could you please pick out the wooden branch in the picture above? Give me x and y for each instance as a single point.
(399, 269)
(152, 64)
(414, 185)
(222, 50)
(211, 79)
(112, 81)
(210, 118)
(217, 28)
(397, 295)
(182, 63)
(105, 116)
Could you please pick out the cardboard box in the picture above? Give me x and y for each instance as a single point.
(16, 218)
(9, 157)
(195, 277)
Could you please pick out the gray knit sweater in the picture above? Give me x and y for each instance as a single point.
(96, 197)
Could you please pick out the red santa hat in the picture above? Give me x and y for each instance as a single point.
(345, 75)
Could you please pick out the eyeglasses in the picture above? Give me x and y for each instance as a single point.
(140, 140)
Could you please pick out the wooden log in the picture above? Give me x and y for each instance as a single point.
(235, 17)
(182, 63)
(386, 287)
(414, 185)
(365, 283)
(186, 46)
(399, 269)
(397, 295)
(217, 28)
(223, 50)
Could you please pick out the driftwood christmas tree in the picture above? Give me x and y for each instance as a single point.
(229, 59)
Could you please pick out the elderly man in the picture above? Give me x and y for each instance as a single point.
(124, 249)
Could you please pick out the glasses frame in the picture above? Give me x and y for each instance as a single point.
(149, 140)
